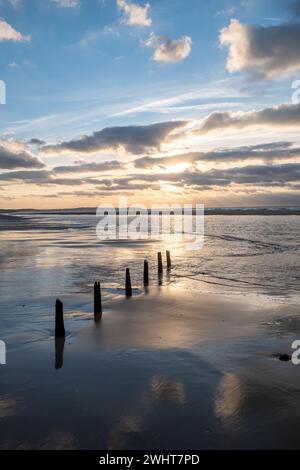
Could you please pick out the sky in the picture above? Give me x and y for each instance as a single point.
(166, 102)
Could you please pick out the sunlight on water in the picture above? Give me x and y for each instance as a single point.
(175, 367)
(60, 256)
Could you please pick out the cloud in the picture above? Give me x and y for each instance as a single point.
(67, 3)
(265, 52)
(36, 141)
(59, 3)
(226, 11)
(8, 33)
(15, 155)
(263, 152)
(90, 167)
(15, 3)
(257, 175)
(283, 116)
(93, 37)
(169, 50)
(251, 175)
(135, 15)
(131, 139)
(247, 179)
(40, 178)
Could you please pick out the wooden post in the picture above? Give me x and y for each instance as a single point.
(160, 265)
(169, 264)
(97, 300)
(128, 284)
(146, 273)
(59, 320)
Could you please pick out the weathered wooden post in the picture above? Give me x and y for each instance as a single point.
(97, 300)
(160, 265)
(160, 269)
(59, 320)
(146, 273)
(128, 284)
(169, 264)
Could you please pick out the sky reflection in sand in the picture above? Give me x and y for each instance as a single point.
(182, 366)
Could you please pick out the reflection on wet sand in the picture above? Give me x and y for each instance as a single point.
(228, 398)
(168, 318)
(284, 324)
(176, 367)
(127, 426)
(8, 406)
(165, 390)
(59, 440)
(161, 389)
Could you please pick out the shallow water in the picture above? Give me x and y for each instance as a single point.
(182, 374)
(240, 252)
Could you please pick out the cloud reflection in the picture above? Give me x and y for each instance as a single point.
(228, 397)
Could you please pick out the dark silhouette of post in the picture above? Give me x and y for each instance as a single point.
(146, 273)
(59, 352)
(59, 320)
(160, 265)
(128, 284)
(97, 300)
(169, 264)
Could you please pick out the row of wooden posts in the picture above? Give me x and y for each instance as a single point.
(59, 308)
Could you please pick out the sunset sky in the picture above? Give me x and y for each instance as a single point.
(166, 101)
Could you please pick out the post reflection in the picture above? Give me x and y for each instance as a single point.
(59, 352)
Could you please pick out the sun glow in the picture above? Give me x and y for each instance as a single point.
(178, 168)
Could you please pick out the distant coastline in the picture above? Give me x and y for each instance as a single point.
(273, 210)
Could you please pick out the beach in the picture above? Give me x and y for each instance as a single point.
(189, 364)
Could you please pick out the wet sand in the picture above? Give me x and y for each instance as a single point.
(169, 369)
(12, 222)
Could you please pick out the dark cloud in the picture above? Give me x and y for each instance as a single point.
(263, 51)
(132, 139)
(37, 142)
(252, 175)
(40, 178)
(258, 175)
(264, 152)
(89, 167)
(15, 156)
(286, 115)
